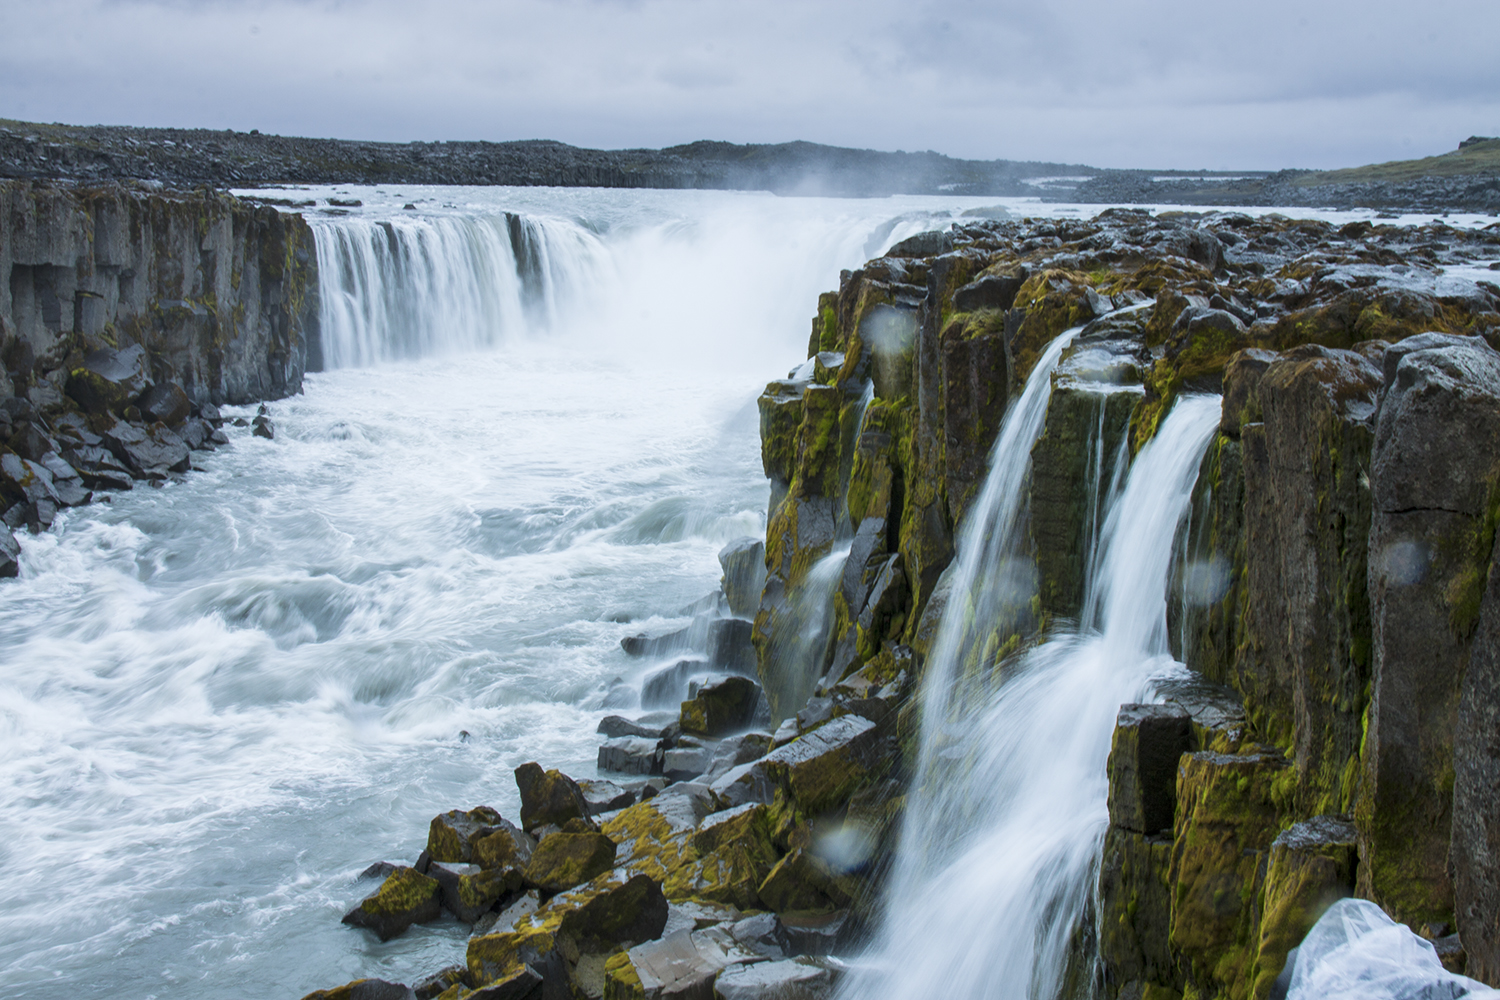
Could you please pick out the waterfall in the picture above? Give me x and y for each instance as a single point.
(413, 287)
(1005, 820)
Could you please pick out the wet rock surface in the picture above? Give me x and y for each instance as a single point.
(116, 354)
(751, 837)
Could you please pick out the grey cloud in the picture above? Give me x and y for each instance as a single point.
(1164, 83)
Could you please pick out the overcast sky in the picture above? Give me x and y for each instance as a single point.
(1264, 84)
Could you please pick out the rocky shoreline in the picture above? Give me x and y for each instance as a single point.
(1333, 742)
(1292, 188)
(127, 318)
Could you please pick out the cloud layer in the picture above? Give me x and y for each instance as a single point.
(1165, 83)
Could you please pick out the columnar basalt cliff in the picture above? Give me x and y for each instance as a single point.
(1334, 595)
(126, 317)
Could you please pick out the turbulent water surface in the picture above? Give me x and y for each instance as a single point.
(221, 699)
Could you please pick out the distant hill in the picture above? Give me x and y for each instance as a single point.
(1465, 180)
(193, 157)
(1474, 157)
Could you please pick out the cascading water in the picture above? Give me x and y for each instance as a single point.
(222, 699)
(414, 287)
(1006, 816)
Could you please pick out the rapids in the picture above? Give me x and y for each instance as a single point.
(222, 699)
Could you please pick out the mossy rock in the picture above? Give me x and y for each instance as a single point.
(1135, 908)
(1227, 817)
(564, 860)
(734, 852)
(780, 415)
(1050, 302)
(802, 882)
(548, 798)
(1312, 865)
(404, 898)
(652, 840)
(821, 769)
(451, 835)
(621, 981)
(721, 706)
(612, 911)
(364, 989)
(503, 847)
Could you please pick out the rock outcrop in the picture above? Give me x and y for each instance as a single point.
(1335, 596)
(127, 317)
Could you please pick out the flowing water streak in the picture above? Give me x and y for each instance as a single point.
(414, 287)
(996, 861)
(991, 577)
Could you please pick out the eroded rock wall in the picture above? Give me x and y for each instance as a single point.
(1330, 583)
(222, 295)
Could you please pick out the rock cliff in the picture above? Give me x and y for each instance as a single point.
(126, 317)
(1335, 598)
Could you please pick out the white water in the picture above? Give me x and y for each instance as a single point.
(221, 699)
(1004, 824)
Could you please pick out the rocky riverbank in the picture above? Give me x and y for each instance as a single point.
(1336, 599)
(195, 157)
(126, 318)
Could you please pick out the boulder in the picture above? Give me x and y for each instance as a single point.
(1434, 500)
(548, 797)
(403, 899)
(605, 796)
(109, 380)
(262, 427)
(25, 481)
(744, 564)
(149, 452)
(165, 402)
(822, 768)
(721, 706)
(429, 987)
(816, 933)
(735, 854)
(763, 934)
(98, 468)
(989, 291)
(733, 751)
(630, 755)
(523, 982)
(681, 965)
(1312, 866)
(687, 760)
(612, 726)
(503, 846)
(594, 919)
(802, 882)
(1147, 743)
(564, 860)
(470, 891)
(803, 978)
(450, 836)
(10, 554)
(365, 989)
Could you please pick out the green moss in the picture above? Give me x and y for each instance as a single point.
(1465, 592)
